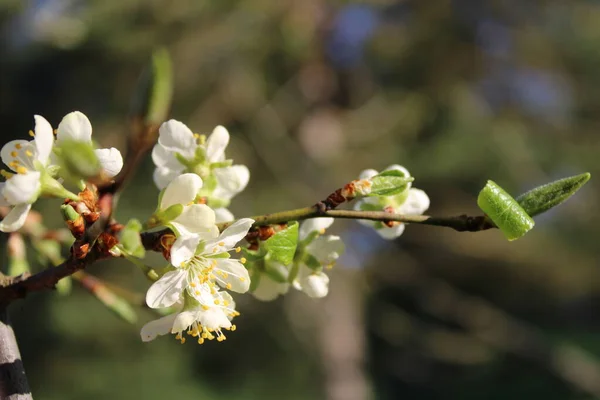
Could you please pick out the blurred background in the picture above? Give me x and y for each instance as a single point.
(313, 92)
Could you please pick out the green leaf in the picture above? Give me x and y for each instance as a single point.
(170, 213)
(154, 91)
(312, 262)
(389, 183)
(281, 247)
(543, 198)
(253, 255)
(504, 211)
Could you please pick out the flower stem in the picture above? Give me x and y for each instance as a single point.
(461, 223)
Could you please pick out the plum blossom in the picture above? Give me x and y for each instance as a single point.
(200, 262)
(76, 126)
(411, 201)
(179, 151)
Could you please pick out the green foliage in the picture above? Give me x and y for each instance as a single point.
(78, 160)
(389, 183)
(152, 97)
(130, 239)
(504, 211)
(543, 198)
(281, 247)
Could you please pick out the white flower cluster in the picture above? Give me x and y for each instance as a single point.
(35, 166)
(314, 253)
(193, 170)
(410, 201)
(179, 151)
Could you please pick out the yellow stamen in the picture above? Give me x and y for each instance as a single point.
(238, 249)
(322, 231)
(242, 278)
(28, 153)
(217, 302)
(243, 260)
(233, 328)
(13, 153)
(200, 340)
(221, 243)
(18, 146)
(21, 170)
(228, 286)
(31, 133)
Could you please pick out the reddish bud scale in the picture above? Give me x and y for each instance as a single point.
(80, 250)
(165, 244)
(390, 224)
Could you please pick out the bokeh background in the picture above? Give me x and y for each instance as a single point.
(313, 92)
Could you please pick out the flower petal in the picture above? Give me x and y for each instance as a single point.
(416, 203)
(391, 233)
(233, 272)
(216, 144)
(230, 236)
(167, 290)
(22, 188)
(15, 219)
(195, 219)
(184, 249)
(161, 326)
(231, 181)
(314, 284)
(182, 190)
(176, 136)
(44, 139)
(268, 289)
(3, 201)
(16, 150)
(182, 321)
(162, 157)
(367, 174)
(326, 249)
(214, 318)
(223, 215)
(74, 126)
(163, 176)
(313, 225)
(111, 160)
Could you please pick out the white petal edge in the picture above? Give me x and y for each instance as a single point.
(44, 139)
(269, 290)
(368, 174)
(195, 219)
(184, 249)
(326, 249)
(176, 136)
(182, 190)
(161, 326)
(393, 232)
(111, 161)
(314, 225)
(22, 188)
(74, 126)
(231, 180)
(230, 236)
(163, 176)
(223, 215)
(15, 219)
(163, 157)
(417, 202)
(216, 144)
(167, 290)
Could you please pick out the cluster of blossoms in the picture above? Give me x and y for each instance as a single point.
(197, 183)
(38, 166)
(410, 201)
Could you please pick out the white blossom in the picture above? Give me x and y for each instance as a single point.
(194, 219)
(200, 262)
(76, 126)
(28, 160)
(411, 201)
(202, 322)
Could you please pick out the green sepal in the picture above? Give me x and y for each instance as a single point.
(221, 164)
(78, 160)
(131, 242)
(281, 247)
(311, 262)
(170, 213)
(253, 255)
(69, 213)
(543, 198)
(276, 271)
(255, 276)
(504, 211)
(389, 183)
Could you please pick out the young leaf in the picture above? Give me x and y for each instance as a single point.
(281, 247)
(543, 198)
(131, 240)
(504, 211)
(389, 183)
